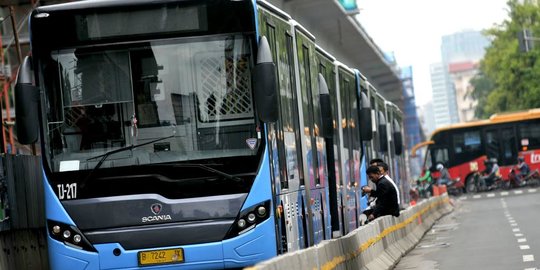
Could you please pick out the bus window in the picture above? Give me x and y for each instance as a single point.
(530, 135)
(492, 144)
(509, 145)
(466, 146)
(439, 155)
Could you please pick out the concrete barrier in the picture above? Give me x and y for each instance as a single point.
(377, 245)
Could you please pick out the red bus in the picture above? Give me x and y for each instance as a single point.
(464, 147)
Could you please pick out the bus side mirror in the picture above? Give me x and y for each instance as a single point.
(264, 80)
(383, 135)
(398, 139)
(326, 109)
(366, 132)
(26, 104)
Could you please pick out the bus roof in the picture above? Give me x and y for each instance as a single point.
(498, 118)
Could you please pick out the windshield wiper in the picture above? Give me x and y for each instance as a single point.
(107, 154)
(209, 169)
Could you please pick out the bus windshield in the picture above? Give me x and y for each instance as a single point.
(191, 96)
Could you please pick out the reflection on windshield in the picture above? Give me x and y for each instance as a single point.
(105, 100)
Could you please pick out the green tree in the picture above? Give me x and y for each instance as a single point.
(509, 79)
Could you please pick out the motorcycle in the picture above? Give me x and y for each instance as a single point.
(477, 183)
(531, 180)
(424, 188)
(454, 187)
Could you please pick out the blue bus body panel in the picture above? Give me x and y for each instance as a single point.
(261, 189)
(363, 182)
(245, 250)
(256, 19)
(253, 246)
(53, 208)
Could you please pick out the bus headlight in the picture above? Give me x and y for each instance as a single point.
(261, 211)
(251, 218)
(248, 219)
(69, 235)
(241, 223)
(77, 238)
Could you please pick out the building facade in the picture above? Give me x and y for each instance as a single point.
(444, 97)
(462, 74)
(453, 105)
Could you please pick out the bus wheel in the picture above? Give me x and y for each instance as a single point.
(470, 185)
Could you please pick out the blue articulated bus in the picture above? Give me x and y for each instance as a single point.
(189, 134)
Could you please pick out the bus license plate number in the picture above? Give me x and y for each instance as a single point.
(163, 256)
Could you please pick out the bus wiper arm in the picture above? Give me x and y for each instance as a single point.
(107, 154)
(210, 169)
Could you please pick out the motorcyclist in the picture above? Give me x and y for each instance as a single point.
(490, 173)
(424, 183)
(523, 168)
(444, 178)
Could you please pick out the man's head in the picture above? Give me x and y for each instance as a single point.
(375, 161)
(379, 163)
(374, 173)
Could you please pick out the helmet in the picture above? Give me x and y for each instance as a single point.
(439, 167)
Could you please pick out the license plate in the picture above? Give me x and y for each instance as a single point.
(162, 256)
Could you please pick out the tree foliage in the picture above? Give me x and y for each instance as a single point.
(509, 79)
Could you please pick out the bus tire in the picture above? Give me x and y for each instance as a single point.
(470, 185)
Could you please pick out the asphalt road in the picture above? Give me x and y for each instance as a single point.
(496, 230)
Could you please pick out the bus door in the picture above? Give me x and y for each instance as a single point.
(312, 140)
(285, 138)
(335, 217)
(350, 152)
(501, 143)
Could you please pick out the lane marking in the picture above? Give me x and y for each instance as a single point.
(504, 193)
(531, 190)
(522, 240)
(518, 235)
(515, 230)
(477, 196)
(528, 258)
(513, 224)
(523, 247)
(518, 192)
(491, 195)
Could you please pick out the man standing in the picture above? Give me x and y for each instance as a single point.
(385, 193)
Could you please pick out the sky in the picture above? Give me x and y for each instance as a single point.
(413, 29)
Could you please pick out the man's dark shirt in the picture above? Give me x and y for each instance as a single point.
(387, 203)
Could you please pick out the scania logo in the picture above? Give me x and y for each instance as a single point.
(156, 218)
(156, 208)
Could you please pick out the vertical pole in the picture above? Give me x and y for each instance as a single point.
(3, 134)
(19, 57)
(15, 34)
